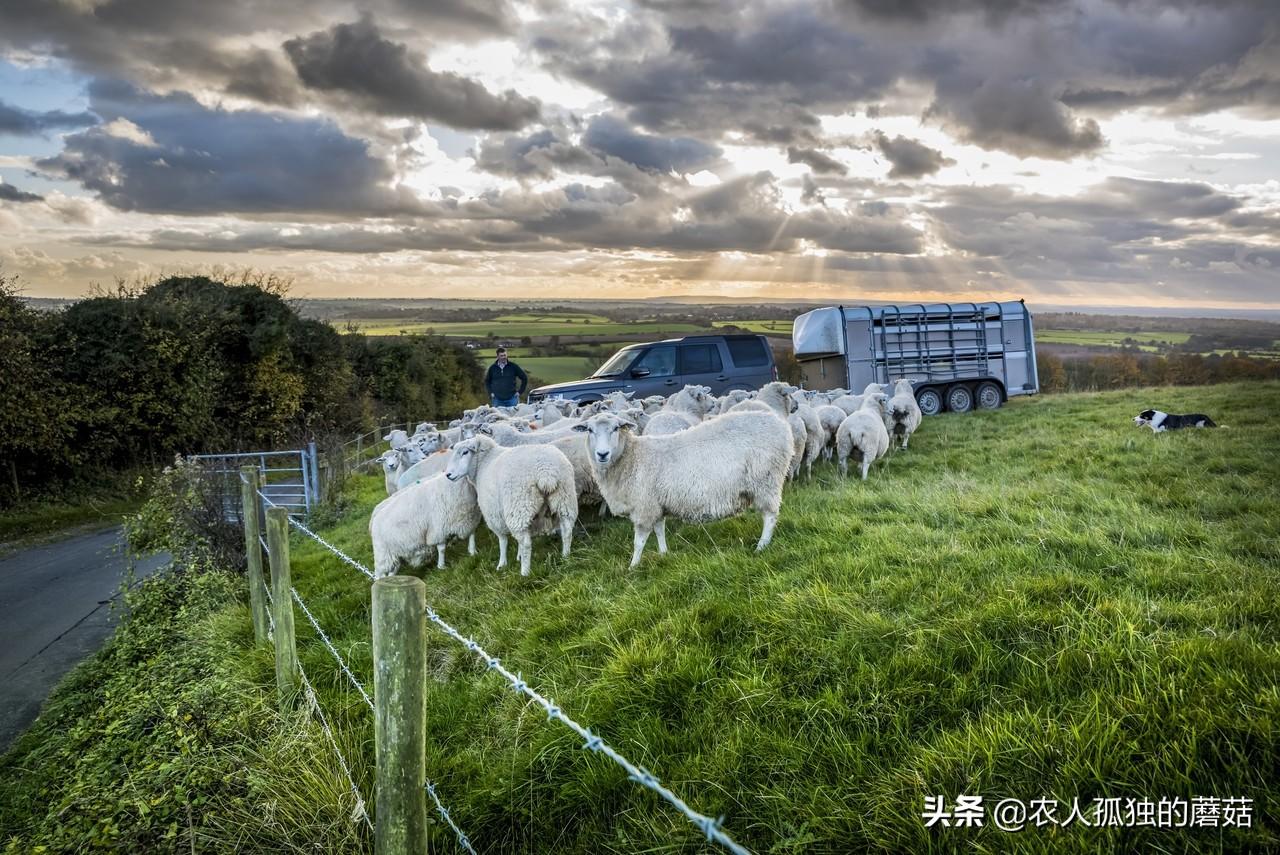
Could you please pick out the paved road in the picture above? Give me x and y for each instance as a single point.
(54, 611)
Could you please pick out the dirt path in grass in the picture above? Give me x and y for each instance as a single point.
(55, 609)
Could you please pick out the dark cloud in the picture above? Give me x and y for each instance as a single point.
(537, 155)
(910, 158)
(9, 193)
(357, 62)
(767, 74)
(1114, 222)
(810, 192)
(818, 161)
(1018, 116)
(185, 44)
(918, 11)
(20, 122)
(611, 137)
(178, 156)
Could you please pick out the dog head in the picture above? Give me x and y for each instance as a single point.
(1146, 417)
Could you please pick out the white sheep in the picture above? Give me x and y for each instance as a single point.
(815, 434)
(569, 443)
(425, 468)
(394, 461)
(421, 515)
(849, 403)
(653, 403)
(901, 412)
(692, 400)
(862, 435)
(710, 471)
(518, 489)
(776, 398)
(830, 416)
(669, 422)
(728, 399)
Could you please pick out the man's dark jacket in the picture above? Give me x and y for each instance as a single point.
(501, 382)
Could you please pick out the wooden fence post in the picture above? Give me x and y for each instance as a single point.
(282, 606)
(400, 726)
(253, 551)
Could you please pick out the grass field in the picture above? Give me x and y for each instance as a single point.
(517, 326)
(768, 327)
(546, 369)
(1040, 601)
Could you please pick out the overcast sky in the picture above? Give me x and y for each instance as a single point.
(1093, 152)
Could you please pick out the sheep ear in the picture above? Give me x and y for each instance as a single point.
(580, 428)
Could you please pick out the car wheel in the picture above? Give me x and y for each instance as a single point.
(930, 402)
(989, 396)
(959, 399)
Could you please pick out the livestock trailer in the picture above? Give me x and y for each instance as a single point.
(958, 355)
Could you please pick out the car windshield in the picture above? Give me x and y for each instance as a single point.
(619, 362)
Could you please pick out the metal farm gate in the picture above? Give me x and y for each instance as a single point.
(289, 479)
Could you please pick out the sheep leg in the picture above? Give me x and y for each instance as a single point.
(844, 467)
(566, 534)
(524, 541)
(502, 549)
(471, 543)
(766, 534)
(866, 464)
(660, 529)
(641, 538)
(440, 556)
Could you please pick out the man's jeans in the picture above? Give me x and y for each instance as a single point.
(513, 401)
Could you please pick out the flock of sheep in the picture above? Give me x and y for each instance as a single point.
(526, 470)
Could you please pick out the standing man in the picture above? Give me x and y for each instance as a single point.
(501, 380)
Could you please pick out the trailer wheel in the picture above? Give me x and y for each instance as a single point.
(989, 396)
(929, 401)
(959, 399)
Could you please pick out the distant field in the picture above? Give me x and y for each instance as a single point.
(769, 327)
(1108, 338)
(545, 369)
(517, 326)
(556, 369)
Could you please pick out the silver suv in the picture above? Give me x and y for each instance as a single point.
(722, 362)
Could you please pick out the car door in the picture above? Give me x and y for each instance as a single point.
(751, 363)
(656, 372)
(702, 364)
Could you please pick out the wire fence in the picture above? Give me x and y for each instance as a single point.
(354, 451)
(313, 703)
(711, 827)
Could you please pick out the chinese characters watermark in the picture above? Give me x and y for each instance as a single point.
(1015, 814)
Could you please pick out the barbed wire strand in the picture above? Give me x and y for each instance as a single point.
(711, 827)
(335, 550)
(314, 704)
(315, 625)
(326, 544)
(463, 840)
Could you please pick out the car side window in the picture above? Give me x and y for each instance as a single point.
(700, 359)
(747, 352)
(661, 361)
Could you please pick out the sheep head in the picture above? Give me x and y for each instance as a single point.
(606, 437)
(466, 457)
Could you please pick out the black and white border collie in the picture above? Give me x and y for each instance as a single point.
(1161, 422)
